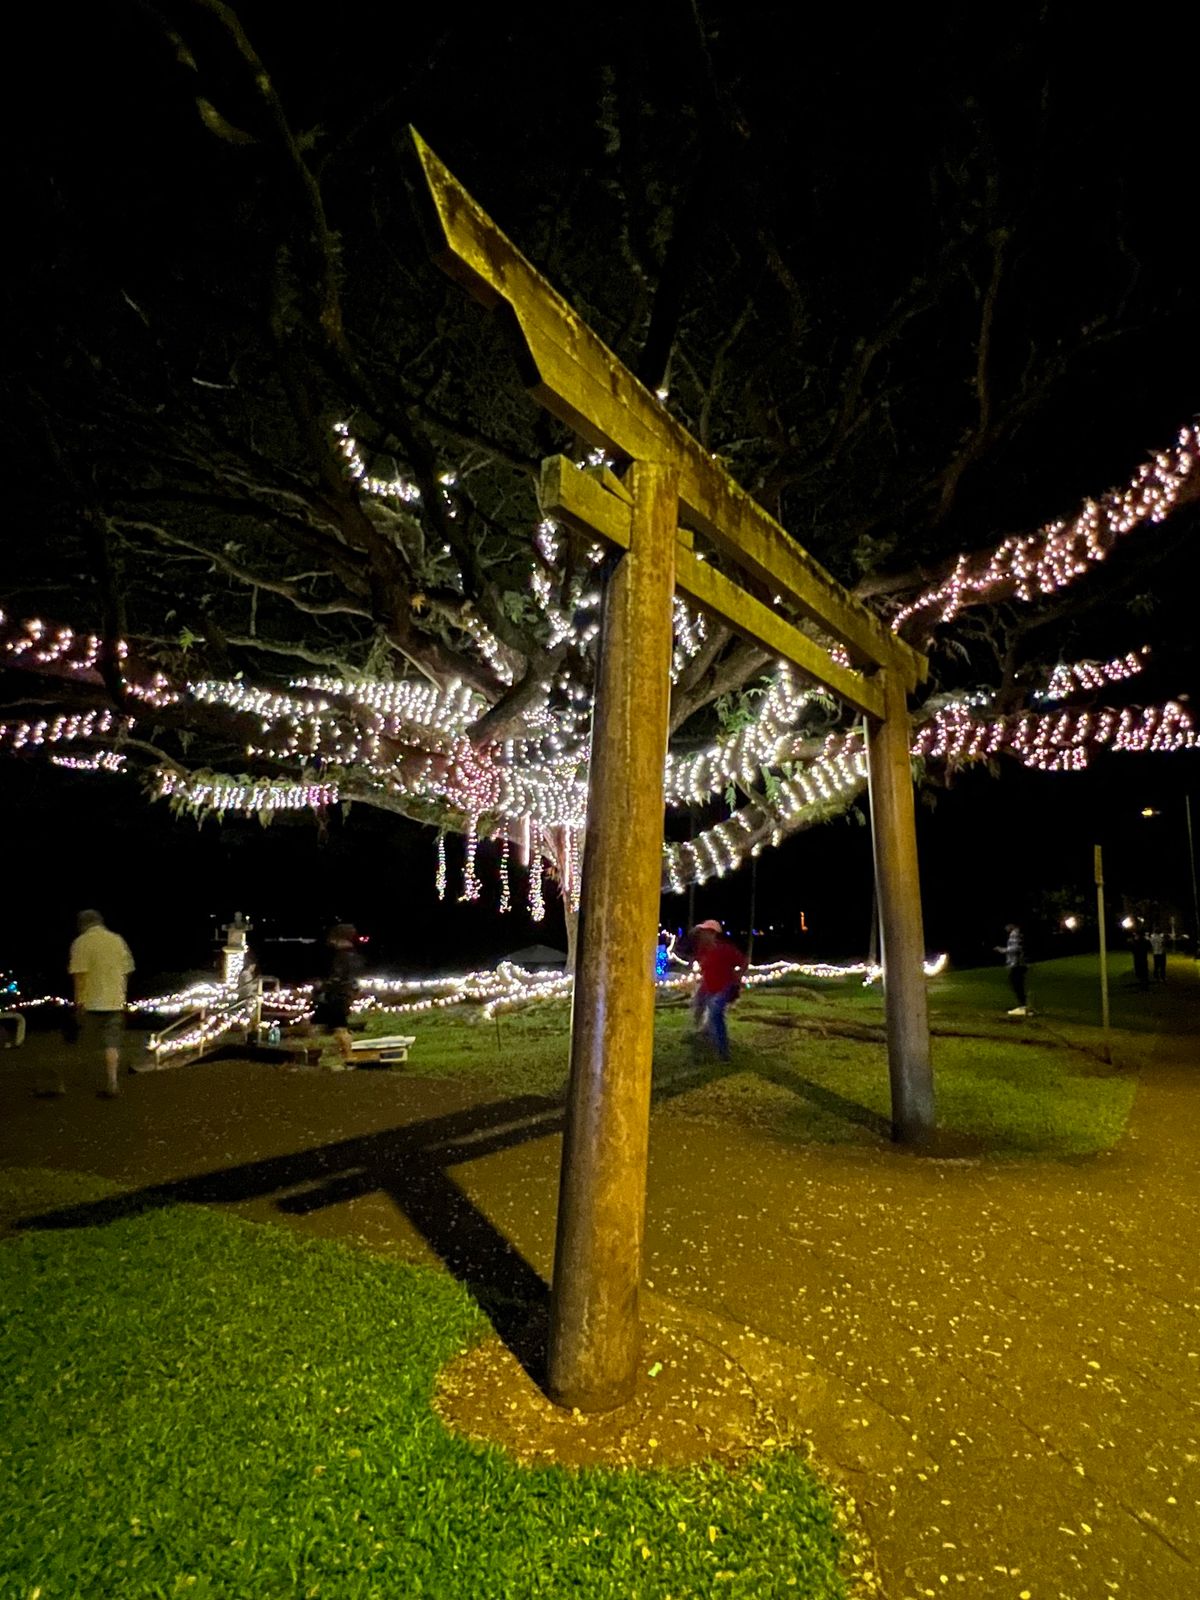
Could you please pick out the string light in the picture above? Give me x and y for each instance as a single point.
(57, 730)
(739, 757)
(1055, 741)
(690, 632)
(489, 647)
(410, 741)
(537, 903)
(1028, 565)
(572, 882)
(249, 795)
(1066, 678)
(394, 488)
(505, 887)
(99, 761)
(471, 884)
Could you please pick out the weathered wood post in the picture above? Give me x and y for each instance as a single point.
(593, 1350)
(898, 888)
(567, 368)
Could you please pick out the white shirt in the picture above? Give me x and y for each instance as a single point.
(103, 959)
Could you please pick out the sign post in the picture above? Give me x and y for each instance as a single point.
(1187, 802)
(1099, 874)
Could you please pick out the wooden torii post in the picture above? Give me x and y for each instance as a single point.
(673, 488)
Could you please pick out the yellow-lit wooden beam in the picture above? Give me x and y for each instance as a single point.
(701, 582)
(576, 377)
(582, 502)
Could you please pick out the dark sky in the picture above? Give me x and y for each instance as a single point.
(105, 137)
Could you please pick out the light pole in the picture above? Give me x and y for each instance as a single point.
(1187, 806)
(1098, 874)
(753, 907)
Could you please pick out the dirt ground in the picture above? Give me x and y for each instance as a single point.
(999, 1362)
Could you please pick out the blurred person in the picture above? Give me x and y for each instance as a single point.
(721, 966)
(1158, 951)
(1140, 946)
(340, 987)
(100, 964)
(1013, 951)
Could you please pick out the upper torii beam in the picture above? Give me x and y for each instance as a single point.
(673, 488)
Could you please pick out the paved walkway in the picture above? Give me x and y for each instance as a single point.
(1000, 1360)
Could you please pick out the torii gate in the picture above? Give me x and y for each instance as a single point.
(672, 486)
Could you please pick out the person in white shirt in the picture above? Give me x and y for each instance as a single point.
(100, 965)
(1158, 949)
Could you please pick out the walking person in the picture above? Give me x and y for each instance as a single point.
(1158, 950)
(100, 964)
(1014, 959)
(340, 988)
(721, 966)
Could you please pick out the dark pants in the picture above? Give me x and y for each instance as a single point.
(1016, 977)
(1160, 967)
(709, 1012)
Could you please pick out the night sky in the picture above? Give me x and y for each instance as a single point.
(113, 175)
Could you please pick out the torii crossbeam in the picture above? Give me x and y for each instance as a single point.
(672, 489)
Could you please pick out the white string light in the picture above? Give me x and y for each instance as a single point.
(505, 886)
(250, 795)
(537, 902)
(1029, 565)
(1054, 741)
(98, 761)
(471, 885)
(57, 730)
(410, 740)
(1068, 678)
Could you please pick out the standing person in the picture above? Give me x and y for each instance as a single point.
(1141, 958)
(1158, 949)
(100, 964)
(1014, 959)
(341, 983)
(721, 966)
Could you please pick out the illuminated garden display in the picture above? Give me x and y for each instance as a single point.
(566, 518)
(414, 746)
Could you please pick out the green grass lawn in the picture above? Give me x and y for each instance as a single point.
(1006, 1087)
(192, 1405)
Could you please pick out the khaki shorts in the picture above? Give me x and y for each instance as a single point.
(104, 1030)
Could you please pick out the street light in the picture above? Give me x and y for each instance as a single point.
(1070, 923)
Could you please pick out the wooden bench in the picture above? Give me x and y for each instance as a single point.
(383, 1052)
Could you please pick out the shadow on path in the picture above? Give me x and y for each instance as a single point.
(412, 1165)
(828, 1100)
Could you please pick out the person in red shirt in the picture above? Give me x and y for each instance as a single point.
(721, 966)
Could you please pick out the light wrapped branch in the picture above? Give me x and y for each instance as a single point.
(1030, 566)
